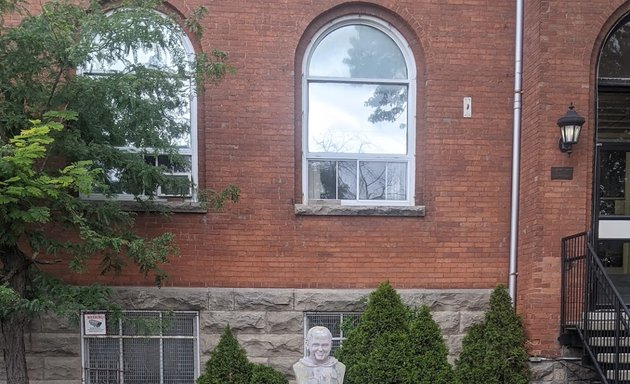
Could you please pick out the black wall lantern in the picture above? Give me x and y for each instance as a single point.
(570, 126)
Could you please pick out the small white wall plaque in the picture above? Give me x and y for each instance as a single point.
(467, 106)
(94, 324)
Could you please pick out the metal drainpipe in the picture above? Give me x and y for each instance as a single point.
(516, 149)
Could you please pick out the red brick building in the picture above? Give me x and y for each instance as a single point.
(372, 141)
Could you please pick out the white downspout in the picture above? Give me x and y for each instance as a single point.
(516, 148)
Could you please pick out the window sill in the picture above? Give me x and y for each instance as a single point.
(155, 205)
(358, 210)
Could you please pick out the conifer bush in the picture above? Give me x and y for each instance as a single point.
(229, 365)
(263, 374)
(429, 350)
(493, 351)
(393, 344)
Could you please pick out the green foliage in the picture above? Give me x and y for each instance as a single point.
(429, 350)
(394, 344)
(62, 125)
(229, 365)
(263, 374)
(494, 350)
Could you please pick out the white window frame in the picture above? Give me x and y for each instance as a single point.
(119, 336)
(307, 325)
(410, 157)
(192, 151)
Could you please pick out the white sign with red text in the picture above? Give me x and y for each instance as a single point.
(94, 324)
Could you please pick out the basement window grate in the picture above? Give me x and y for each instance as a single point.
(336, 322)
(140, 347)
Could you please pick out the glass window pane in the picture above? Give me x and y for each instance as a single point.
(396, 188)
(357, 118)
(613, 117)
(611, 252)
(615, 59)
(322, 176)
(347, 171)
(176, 186)
(372, 180)
(382, 181)
(358, 51)
(612, 183)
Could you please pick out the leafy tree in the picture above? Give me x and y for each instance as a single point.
(229, 365)
(394, 344)
(494, 350)
(61, 127)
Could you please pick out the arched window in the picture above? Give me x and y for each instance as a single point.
(359, 115)
(160, 72)
(612, 151)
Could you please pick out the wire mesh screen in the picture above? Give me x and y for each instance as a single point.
(336, 322)
(143, 347)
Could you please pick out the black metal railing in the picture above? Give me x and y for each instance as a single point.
(592, 307)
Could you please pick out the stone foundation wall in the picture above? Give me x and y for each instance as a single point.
(267, 322)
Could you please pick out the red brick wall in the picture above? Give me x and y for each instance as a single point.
(252, 123)
(250, 135)
(561, 47)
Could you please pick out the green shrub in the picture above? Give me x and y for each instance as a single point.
(493, 351)
(429, 350)
(262, 374)
(393, 344)
(228, 363)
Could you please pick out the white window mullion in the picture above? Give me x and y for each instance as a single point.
(121, 367)
(358, 179)
(161, 350)
(336, 180)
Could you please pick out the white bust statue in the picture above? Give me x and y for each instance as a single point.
(319, 367)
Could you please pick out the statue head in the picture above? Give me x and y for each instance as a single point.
(318, 344)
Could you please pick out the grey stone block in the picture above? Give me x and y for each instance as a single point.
(467, 319)
(182, 299)
(62, 368)
(285, 322)
(271, 345)
(263, 299)
(241, 321)
(331, 300)
(221, 299)
(454, 344)
(448, 322)
(49, 323)
(208, 342)
(35, 367)
(448, 300)
(54, 344)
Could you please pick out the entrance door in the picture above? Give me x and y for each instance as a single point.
(613, 216)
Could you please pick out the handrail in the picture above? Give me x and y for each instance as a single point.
(592, 306)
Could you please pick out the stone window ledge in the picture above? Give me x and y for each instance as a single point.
(358, 210)
(166, 206)
(156, 206)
